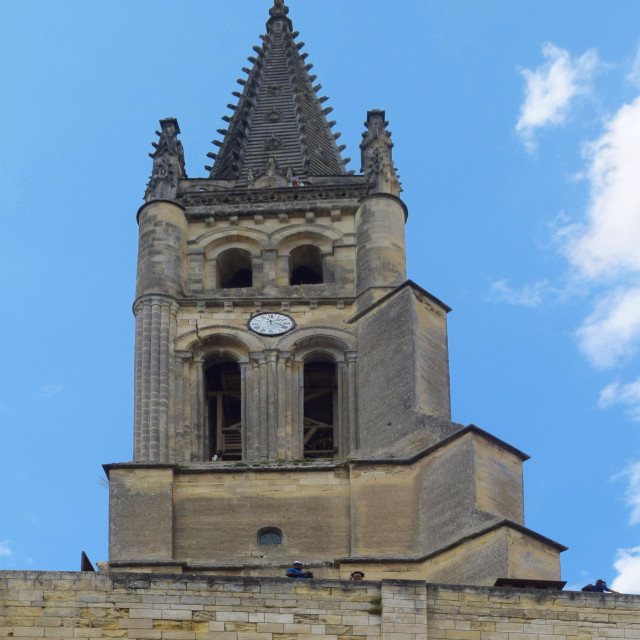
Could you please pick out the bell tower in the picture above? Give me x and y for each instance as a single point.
(291, 385)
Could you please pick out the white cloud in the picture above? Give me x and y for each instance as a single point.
(603, 250)
(627, 565)
(551, 87)
(606, 246)
(5, 549)
(625, 394)
(50, 390)
(529, 295)
(612, 332)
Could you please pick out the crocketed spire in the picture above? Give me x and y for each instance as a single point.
(278, 132)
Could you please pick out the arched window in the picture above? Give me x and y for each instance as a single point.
(269, 536)
(234, 269)
(319, 409)
(223, 392)
(305, 265)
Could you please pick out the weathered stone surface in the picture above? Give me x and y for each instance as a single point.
(233, 423)
(410, 610)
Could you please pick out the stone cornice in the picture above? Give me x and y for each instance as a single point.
(407, 283)
(499, 524)
(277, 197)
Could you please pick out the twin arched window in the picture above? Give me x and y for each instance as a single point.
(223, 392)
(235, 267)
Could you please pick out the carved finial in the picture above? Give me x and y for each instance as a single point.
(279, 9)
(278, 16)
(377, 163)
(168, 163)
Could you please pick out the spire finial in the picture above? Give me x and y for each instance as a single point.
(168, 162)
(376, 146)
(279, 9)
(278, 14)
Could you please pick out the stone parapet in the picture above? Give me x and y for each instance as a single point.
(192, 607)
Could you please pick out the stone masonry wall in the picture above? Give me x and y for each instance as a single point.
(61, 605)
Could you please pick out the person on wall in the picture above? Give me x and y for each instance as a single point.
(295, 571)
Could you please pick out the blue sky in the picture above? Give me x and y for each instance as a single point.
(517, 133)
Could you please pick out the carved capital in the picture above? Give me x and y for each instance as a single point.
(257, 358)
(350, 356)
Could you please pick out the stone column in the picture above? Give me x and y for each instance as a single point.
(140, 436)
(298, 426)
(182, 406)
(155, 327)
(263, 414)
(272, 403)
(354, 440)
(161, 280)
(200, 413)
(341, 418)
(253, 403)
(244, 390)
(281, 416)
(189, 449)
(290, 407)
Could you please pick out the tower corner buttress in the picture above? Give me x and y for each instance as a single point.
(380, 218)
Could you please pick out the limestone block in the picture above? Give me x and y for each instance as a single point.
(162, 249)
(403, 366)
(141, 514)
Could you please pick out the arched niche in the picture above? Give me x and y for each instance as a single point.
(305, 256)
(211, 388)
(326, 367)
(319, 407)
(234, 269)
(233, 261)
(223, 406)
(306, 265)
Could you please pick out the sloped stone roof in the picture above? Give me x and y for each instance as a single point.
(279, 126)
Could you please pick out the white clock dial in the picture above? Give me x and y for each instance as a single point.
(271, 324)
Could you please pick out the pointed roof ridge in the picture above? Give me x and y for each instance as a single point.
(279, 118)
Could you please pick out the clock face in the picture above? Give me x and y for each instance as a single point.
(271, 324)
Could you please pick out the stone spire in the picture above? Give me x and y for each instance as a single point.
(376, 146)
(278, 132)
(168, 163)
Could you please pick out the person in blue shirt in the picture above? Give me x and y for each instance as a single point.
(601, 586)
(295, 571)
